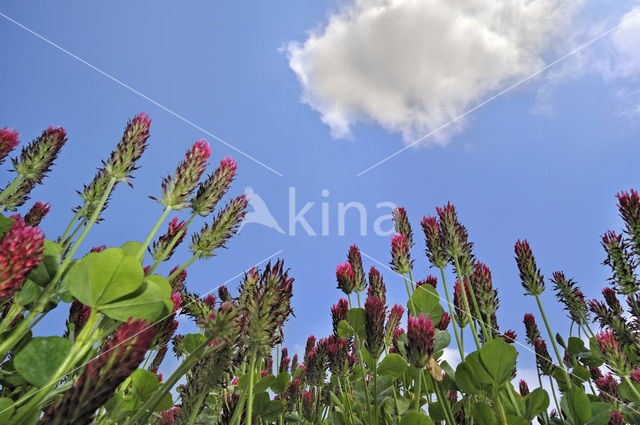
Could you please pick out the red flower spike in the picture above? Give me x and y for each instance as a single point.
(36, 213)
(401, 224)
(355, 260)
(543, 358)
(434, 247)
(444, 321)
(531, 328)
(429, 280)
(214, 187)
(420, 338)
(375, 314)
(376, 285)
(524, 388)
(8, 141)
(21, 250)
(346, 277)
(339, 312)
(613, 355)
(177, 301)
(400, 259)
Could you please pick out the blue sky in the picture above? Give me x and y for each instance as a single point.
(543, 161)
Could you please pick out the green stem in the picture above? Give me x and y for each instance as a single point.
(146, 243)
(13, 312)
(510, 391)
(553, 342)
(501, 413)
(184, 266)
(70, 226)
(413, 284)
(145, 411)
(418, 388)
(10, 189)
(375, 391)
(446, 408)
(252, 365)
(472, 323)
(632, 386)
(453, 320)
(67, 242)
(553, 391)
(406, 284)
(78, 348)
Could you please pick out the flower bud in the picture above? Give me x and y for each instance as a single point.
(355, 259)
(214, 187)
(434, 247)
(444, 322)
(613, 355)
(395, 317)
(459, 310)
(338, 352)
(621, 262)
(531, 328)
(524, 388)
(224, 226)
(376, 285)
(177, 188)
(36, 159)
(308, 406)
(530, 275)
(400, 259)
(339, 312)
(401, 224)
(36, 214)
(429, 280)
(375, 314)
(629, 207)
(543, 358)
(159, 247)
(571, 297)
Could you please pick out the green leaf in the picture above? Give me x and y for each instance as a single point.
(48, 267)
(384, 389)
(576, 404)
(7, 408)
(149, 302)
(28, 293)
(627, 392)
(600, 413)
(132, 248)
(536, 402)
(266, 409)
(5, 224)
(281, 382)
(466, 375)
(436, 412)
(483, 414)
(576, 346)
(415, 418)
(193, 341)
(441, 340)
(144, 384)
(498, 359)
(103, 277)
(345, 330)
(427, 301)
(356, 320)
(560, 340)
(393, 365)
(39, 360)
(165, 404)
(263, 384)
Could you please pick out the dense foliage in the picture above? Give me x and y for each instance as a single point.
(375, 367)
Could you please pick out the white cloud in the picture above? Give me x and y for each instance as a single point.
(413, 65)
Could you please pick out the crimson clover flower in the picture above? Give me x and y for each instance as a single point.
(429, 280)
(158, 248)
(509, 336)
(401, 224)
(608, 387)
(621, 262)
(355, 259)
(613, 354)
(395, 317)
(120, 165)
(455, 239)
(78, 316)
(177, 188)
(420, 338)
(338, 355)
(346, 277)
(21, 250)
(308, 406)
(33, 164)
(523, 388)
(629, 207)
(214, 187)
(8, 141)
(572, 298)
(339, 312)
(375, 314)
(36, 214)
(531, 328)
(543, 358)
(224, 226)
(486, 295)
(443, 324)
(530, 275)
(376, 285)
(459, 310)
(635, 375)
(395, 340)
(400, 259)
(116, 360)
(612, 300)
(434, 247)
